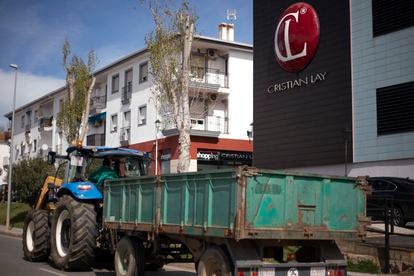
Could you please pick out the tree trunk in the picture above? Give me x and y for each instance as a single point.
(184, 139)
(84, 124)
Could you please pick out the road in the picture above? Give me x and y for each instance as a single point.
(13, 264)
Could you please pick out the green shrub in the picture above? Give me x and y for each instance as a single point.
(27, 178)
(364, 266)
(18, 213)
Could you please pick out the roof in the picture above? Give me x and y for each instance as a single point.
(231, 44)
(102, 151)
(48, 95)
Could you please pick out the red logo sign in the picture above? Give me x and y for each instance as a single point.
(296, 37)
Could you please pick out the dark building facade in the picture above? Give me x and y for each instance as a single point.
(303, 116)
(334, 86)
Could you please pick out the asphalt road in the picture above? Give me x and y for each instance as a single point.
(13, 264)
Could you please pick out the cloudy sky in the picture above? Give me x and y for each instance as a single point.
(32, 33)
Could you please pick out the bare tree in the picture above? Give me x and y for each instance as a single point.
(73, 116)
(170, 48)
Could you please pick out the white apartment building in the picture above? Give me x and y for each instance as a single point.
(35, 130)
(123, 111)
(4, 157)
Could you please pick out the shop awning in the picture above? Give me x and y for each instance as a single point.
(97, 118)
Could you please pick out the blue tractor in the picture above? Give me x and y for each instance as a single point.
(66, 223)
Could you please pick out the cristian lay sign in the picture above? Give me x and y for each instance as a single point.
(295, 44)
(296, 37)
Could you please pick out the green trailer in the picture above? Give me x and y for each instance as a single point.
(243, 221)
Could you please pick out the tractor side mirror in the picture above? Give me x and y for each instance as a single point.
(51, 157)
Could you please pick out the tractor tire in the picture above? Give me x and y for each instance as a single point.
(214, 262)
(36, 234)
(74, 233)
(129, 257)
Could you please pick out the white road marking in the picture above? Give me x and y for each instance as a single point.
(52, 272)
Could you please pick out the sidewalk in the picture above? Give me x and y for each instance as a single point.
(14, 232)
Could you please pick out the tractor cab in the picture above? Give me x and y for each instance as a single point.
(88, 167)
(66, 223)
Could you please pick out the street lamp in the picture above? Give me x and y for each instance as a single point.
(9, 188)
(157, 128)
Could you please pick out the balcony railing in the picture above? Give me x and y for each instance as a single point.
(208, 123)
(46, 123)
(209, 76)
(97, 102)
(126, 94)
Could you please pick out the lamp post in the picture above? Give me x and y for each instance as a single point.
(9, 187)
(157, 128)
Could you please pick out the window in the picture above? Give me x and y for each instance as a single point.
(128, 80)
(383, 186)
(60, 105)
(95, 140)
(127, 119)
(143, 72)
(36, 116)
(390, 16)
(22, 121)
(142, 115)
(28, 119)
(115, 83)
(114, 122)
(34, 145)
(395, 109)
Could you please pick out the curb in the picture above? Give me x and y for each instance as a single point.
(11, 234)
(16, 233)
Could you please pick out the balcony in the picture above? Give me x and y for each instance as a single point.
(97, 103)
(125, 136)
(126, 94)
(209, 126)
(46, 123)
(208, 78)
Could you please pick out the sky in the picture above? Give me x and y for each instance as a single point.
(32, 33)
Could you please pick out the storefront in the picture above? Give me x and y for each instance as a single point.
(213, 159)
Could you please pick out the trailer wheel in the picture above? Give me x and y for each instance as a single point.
(73, 234)
(214, 262)
(129, 257)
(36, 236)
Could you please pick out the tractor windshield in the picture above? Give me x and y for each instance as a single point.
(76, 171)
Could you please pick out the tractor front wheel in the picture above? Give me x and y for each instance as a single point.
(74, 233)
(36, 235)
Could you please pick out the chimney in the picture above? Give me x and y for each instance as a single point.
(226, 31)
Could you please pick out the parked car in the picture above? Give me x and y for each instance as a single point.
(398, 193)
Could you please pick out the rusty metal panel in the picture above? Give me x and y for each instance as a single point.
(303, 205)
(242, 203)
